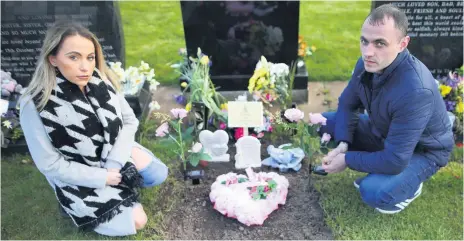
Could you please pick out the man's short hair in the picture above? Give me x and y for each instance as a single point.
(378, 15)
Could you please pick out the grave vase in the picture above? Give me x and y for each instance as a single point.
(193, 173)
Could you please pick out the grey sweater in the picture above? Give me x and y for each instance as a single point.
(51, 162)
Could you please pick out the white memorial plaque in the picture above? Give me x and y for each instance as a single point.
(248, 152)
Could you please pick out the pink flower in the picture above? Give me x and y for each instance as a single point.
(317, 119)
(179, 113)
(222, 126)
(294, 115)
(325, 138)
(162, 130)
(269, 129)
(261, 135)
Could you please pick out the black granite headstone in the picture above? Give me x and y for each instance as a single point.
(235, 34)
(24, 24)
(436, 31)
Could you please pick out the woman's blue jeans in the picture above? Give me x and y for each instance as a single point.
(155, 172)
(380, 190)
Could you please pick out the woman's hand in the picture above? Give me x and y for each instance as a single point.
(113, 177)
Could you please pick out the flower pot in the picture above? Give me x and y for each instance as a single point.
(193, 173)
(17, 147)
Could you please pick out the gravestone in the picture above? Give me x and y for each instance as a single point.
(248, 152)
(215, 144)
(24, 24)
(436, 31)
(235, 34)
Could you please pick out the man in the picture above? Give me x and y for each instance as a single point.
(406, 135)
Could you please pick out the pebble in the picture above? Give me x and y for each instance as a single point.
(198, 199)
(241, 228)
(204, 203)
(281, 236)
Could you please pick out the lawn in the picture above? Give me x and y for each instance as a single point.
(153, 32)
(435, 215)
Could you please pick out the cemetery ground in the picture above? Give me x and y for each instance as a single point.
(328, 207)
(324, 207)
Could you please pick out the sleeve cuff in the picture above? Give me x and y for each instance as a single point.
(350, 160)
(110, 164)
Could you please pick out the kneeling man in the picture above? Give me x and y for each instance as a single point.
(406, 135)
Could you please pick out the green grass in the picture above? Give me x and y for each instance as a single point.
(153, 32)
(30, 210)
(435, 215)
(334, 28)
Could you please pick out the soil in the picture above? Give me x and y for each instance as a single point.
(194, 217)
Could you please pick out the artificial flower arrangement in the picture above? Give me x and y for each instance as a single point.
(172, 127)
(133, 78)
(304, 134)
(197, 80)
(271, 82)
(11, 127)
(250, 199)
(303, 49)
(451, 88)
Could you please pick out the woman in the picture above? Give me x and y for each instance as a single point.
(80, 132)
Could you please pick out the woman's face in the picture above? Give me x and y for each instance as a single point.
(75, 59)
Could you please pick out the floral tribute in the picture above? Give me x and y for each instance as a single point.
(249, 199)
(132, 79)
(451, 89)
(270, 82)
(171, 127)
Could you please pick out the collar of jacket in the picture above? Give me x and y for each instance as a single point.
(381, 78)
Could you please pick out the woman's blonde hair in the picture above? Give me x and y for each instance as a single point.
(44, 78)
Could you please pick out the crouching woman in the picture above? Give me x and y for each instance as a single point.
(80, 132)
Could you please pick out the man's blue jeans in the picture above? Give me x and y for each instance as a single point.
(380, 190)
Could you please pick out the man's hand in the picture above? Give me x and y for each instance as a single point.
(113, 177)
(341, 148)
(337, 164)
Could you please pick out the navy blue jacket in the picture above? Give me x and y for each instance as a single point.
(405, 110)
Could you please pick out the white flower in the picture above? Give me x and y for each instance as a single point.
(150, 75)
(197, 147)
(300, 63)
(154, 106)
(279, 70)
(154, 85)
(7, 124)
(144, 67)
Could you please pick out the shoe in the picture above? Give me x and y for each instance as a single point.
(402, 205)
(357, 182)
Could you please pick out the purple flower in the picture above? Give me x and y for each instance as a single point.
(9, 114)
(450, 105)
(210, 120)
(180, 99)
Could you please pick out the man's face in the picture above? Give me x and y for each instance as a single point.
(380, 44)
